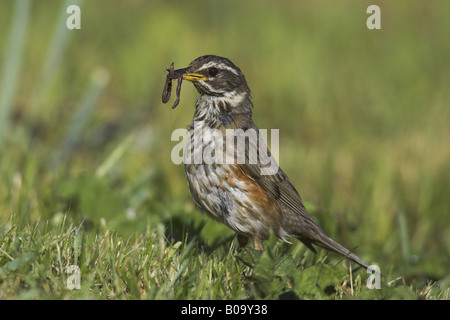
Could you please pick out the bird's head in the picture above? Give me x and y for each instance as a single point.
(215, 76)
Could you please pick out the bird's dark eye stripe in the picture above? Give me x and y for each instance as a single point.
(213, 71)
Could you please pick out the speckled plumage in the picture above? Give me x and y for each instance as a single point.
(238, 194)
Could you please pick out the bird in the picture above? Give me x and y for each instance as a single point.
(239, 194)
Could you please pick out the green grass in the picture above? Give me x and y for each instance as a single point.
(85, 171)
(148, 265)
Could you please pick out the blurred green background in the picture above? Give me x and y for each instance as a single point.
(363, 115)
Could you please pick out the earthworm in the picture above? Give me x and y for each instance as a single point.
(168, 86)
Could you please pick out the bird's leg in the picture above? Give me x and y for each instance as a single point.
(258, 244)
(242, 240)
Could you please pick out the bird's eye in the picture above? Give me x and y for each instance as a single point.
(213, 72)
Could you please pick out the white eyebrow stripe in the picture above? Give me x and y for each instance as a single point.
(218, 66)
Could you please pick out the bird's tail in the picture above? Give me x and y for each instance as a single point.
(329, 244)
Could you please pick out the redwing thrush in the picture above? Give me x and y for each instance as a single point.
(238, 193)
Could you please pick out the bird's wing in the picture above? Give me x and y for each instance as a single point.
(296, 219)
(280, 188)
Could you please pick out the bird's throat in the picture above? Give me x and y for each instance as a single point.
(223, 111)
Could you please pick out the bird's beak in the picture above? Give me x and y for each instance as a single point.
(194, 77)
(190, 76)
